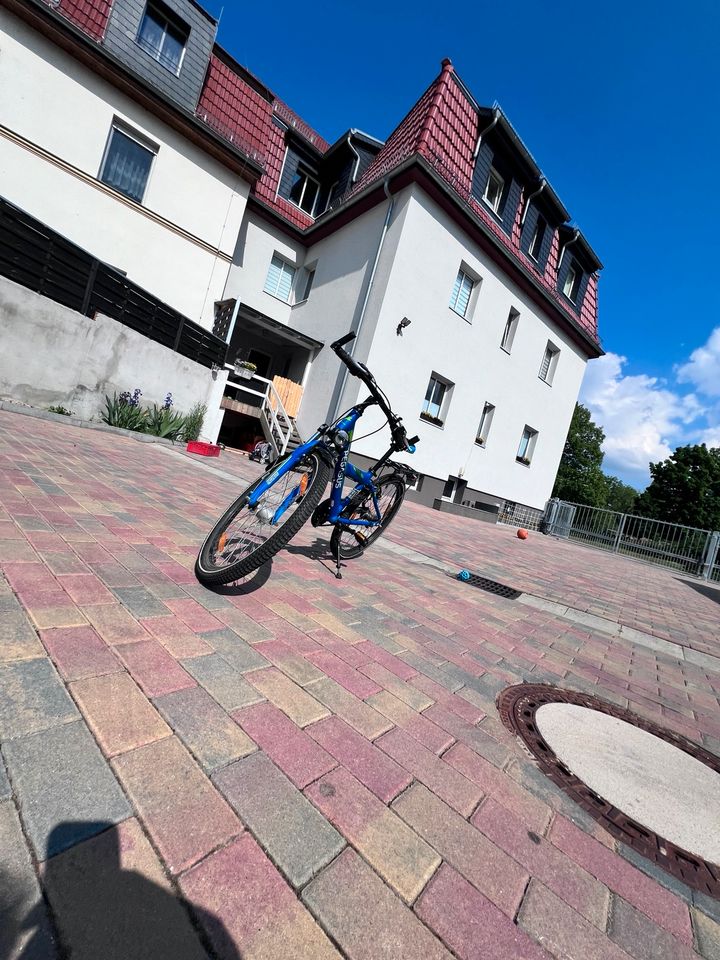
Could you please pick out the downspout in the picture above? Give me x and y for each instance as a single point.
(568, 244)
(357, 158)
(543, 184)
(358, 327)
(487, 130)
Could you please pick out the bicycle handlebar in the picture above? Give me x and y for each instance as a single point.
(399, 433)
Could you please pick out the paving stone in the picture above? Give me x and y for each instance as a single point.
(232, 648)
(194, 615)
(450, 785)
(240, 897)
(372, 767)
(85, 589)
(18, 640)
(657, 903)
(204, 727)
(61, 615)
(288, 696)
(404, 691)
(458, 705)
(183, 812)
(708, 905)
(297, 837)
(356, 713)
(344, 674)
(152, 667)
(643, 939)
(59, 775)
(470, 924)
(533, 813)
(114, 624)
(111, 899)
(371, 651)
(365, 918)
(707, 932)
(561, 930)
(32, 698)
(415, 724)
(25, 931)
(479, 741)
(178, 640)
(140, 602)
(397, 853)
(296, 667)
(222, 682)
(117, 713)
(297, 755)
(489, 869)
(243, 625)
(5, 788)
(544, 862)
(78, 652)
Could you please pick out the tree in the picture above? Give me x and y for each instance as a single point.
(619, 496)
(580, 478)
(685, 488)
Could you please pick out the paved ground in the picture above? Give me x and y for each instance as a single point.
(301, 768)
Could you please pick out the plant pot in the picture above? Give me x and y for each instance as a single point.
(245, 373)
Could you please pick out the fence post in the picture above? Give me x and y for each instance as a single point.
(711, 554)
(178, 334)
(89, 287)
(620, 531)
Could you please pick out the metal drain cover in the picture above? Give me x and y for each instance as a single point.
(490, 586)
(653, 789)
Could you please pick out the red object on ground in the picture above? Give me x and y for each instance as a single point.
(204, 449)
(522, 534)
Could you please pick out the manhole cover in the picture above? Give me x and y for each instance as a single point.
(651, 788)
(491, 586)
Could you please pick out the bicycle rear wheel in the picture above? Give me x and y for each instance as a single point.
(245, 538)
(353, 541)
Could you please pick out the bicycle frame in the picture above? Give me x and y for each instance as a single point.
(343, 468)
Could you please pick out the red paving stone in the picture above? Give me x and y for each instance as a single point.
(380, 706)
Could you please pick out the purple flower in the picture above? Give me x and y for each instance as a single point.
(168, 401)
(124, 397)
(135, 399)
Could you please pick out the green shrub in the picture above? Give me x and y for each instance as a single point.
(61, 410)
(163, 422)
(194, 421)
(125, 411)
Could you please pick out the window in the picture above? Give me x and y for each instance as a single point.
(307, 282)
(572, 282)
(494, 190)
(126, 164)
(450, 488)
(304, 191)
(437, 397)
(163, 35)
(485, 424)
(509, 331)
(527, 446)
(537, 239)
(549, 363)
(280, 279)
(460, 299)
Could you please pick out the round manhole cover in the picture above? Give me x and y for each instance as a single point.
(651, 788)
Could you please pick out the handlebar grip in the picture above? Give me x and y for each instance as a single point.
(414, 440)
(342, 341)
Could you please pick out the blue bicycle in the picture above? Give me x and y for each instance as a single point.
(268, 514)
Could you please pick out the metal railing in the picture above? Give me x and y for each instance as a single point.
(279, 426)
(687, 549)
(516, 515)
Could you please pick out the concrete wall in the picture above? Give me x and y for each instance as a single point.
(55, 120)
(50, 355)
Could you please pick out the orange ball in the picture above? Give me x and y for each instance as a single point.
(522, 534)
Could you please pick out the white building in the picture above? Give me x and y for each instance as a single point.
(445, 249)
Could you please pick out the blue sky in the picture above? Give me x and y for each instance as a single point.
(619, 104)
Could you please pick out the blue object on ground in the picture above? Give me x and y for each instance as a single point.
(464, 575)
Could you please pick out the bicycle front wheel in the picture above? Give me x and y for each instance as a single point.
(353, 541)
(245, 538)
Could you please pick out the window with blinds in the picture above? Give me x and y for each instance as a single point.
(126, 164)
(280, 279)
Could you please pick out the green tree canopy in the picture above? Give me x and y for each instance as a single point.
(619, 496)
(580, 478)
(685, 488)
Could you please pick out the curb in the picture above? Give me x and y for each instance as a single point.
(27, 411)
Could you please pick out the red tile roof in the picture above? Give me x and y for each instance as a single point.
(288, 116)
(90, 15)
(235, 110)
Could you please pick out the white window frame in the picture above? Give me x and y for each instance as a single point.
(286, 268)
(444, 404)
(141, 141)
(301, 171)
(306, 278)
(461, 281)
(549, 363)
(526, 447)
(571, 282)
(511, 325)
(494, 175)
(537, 234)
(485, 423)
(156, 55)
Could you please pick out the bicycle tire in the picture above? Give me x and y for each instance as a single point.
(211, 575)
(353, 547)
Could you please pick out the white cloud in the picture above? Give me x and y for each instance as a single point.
(643, 420)
(702, 370)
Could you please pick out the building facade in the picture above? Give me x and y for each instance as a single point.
(445, 249)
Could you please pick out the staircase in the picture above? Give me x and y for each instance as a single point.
(280, 431)
(277, 424)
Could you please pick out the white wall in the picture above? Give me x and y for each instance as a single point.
(50, 355)
(425, 265)
(65, 110)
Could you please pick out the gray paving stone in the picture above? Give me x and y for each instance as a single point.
(232, 648)
(206, 598)
(222, 682)
(32, 698)
(641, 938)
(707, 905)
(438, 674)
(707, 933)
(62, 780)
(25, 931)
(141, 602)
(248, 629)
(5, 788)
(297, 837)
(651, 869)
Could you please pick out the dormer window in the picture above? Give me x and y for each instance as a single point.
(163, 35)
(304, 191)
(571, 285)
(494, 190)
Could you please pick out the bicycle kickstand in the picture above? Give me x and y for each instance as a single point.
(338, 575)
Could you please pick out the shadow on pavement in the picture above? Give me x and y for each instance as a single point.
(103, 911)
(712, 593)
(246, 586)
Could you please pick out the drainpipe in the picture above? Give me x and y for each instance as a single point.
(482, 133)
(357, 158)
(568, 244)
(358, 326)
(543, 184)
